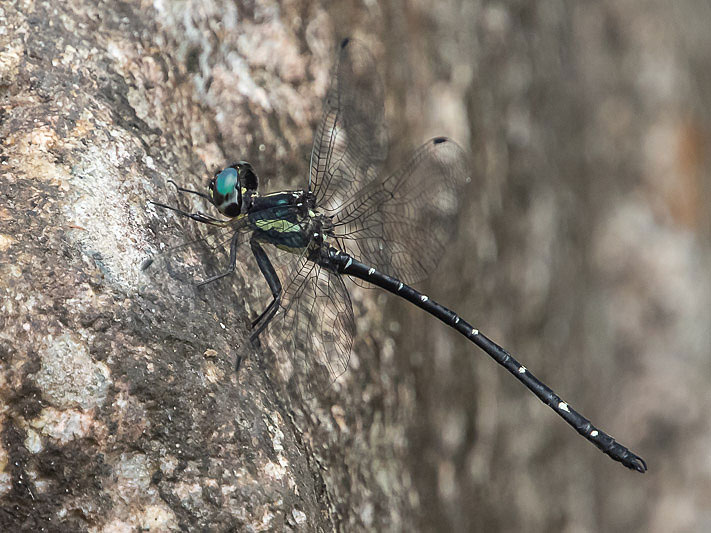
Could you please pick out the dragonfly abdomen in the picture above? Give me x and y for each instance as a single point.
(345, 264)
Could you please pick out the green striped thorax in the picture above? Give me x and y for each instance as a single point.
(232, 188)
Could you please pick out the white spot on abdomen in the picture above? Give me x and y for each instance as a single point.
(424, 298)
(371, 271)
(522, 370)
(594, 433)
(564, 407)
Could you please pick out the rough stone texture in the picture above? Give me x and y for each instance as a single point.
(585, 250)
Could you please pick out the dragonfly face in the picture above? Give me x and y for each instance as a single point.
(231, 189)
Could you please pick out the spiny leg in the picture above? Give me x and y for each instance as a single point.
(234, 243)
(190, 191)
(199, 217)
(270, 275)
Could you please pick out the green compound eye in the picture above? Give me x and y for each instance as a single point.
(226, 181)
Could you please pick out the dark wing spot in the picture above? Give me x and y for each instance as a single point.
(345, 42)
(439, 140)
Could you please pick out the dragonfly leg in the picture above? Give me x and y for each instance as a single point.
(199, 217)
(270, 275)
(190, 191)
(265, 266)
(233, 261)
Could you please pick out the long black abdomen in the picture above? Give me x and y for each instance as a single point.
(345, 264)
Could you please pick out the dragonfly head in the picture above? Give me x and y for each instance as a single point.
(230, 189)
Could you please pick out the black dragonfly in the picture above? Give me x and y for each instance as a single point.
(388, 232)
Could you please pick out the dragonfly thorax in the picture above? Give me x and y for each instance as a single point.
(289, 220)
(321, 234)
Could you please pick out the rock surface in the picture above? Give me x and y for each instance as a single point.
(585, 251)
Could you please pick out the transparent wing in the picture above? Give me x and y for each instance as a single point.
(186, 260)
(401, 225)
(350, 143)
(189, 256)
(314, 326)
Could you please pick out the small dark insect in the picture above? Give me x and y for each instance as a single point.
(347, 213)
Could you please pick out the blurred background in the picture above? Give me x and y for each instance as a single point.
(583, 247)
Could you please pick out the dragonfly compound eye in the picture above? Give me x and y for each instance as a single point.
(226, 194)
(226, 181)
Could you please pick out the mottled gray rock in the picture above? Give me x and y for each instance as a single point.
(585, 251)
(121, 411)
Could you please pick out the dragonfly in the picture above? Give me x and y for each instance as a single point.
(351, 222)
